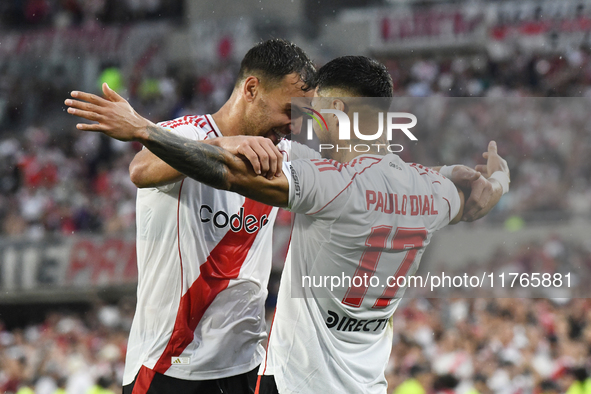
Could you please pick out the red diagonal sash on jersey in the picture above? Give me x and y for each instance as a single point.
(222, 265)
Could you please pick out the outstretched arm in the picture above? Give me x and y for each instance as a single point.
(488, 194)
(148, 170)
(206, 163)
(214, 166)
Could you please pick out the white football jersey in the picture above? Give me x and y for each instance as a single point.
(204, 258)
(369, 219)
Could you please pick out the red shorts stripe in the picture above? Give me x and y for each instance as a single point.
(143, 380)
(258, 387)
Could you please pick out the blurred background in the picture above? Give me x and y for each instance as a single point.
(67, 206)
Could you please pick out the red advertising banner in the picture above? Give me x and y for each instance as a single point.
(539, 26)
(66, 263)
(425, 28)
(109, 261)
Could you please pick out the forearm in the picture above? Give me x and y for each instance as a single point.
(203, 162)
(148, 170)
(214, 166)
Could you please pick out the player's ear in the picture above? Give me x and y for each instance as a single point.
(338, 104)
(250, 88)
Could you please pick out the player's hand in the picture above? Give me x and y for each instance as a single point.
(485, 194)
(263, 155)
(464, 176)
(478, 204)
(494, 162)
(115, 117)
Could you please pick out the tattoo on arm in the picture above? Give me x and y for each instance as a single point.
(205, 163)
(215, 167)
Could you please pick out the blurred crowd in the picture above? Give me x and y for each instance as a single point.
(565, 74)
(545, 143)
(565, 264)
(64, 13)
(67, 352)
(500, 345)
(78, 182)
(491, 346)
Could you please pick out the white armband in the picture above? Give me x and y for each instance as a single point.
(503, 179)
(446, 171)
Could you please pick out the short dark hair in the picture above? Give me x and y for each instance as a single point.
(272, 60)
(360, 75)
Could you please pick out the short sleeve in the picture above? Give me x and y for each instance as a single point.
(314, 186)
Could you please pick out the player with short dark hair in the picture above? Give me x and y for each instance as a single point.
(360, 76)
(272, 60)
(270, 74)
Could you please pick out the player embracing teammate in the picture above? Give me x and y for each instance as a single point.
(204, 255)
(334, 232)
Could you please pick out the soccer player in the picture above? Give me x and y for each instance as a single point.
(327, 339)
(203, 254)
